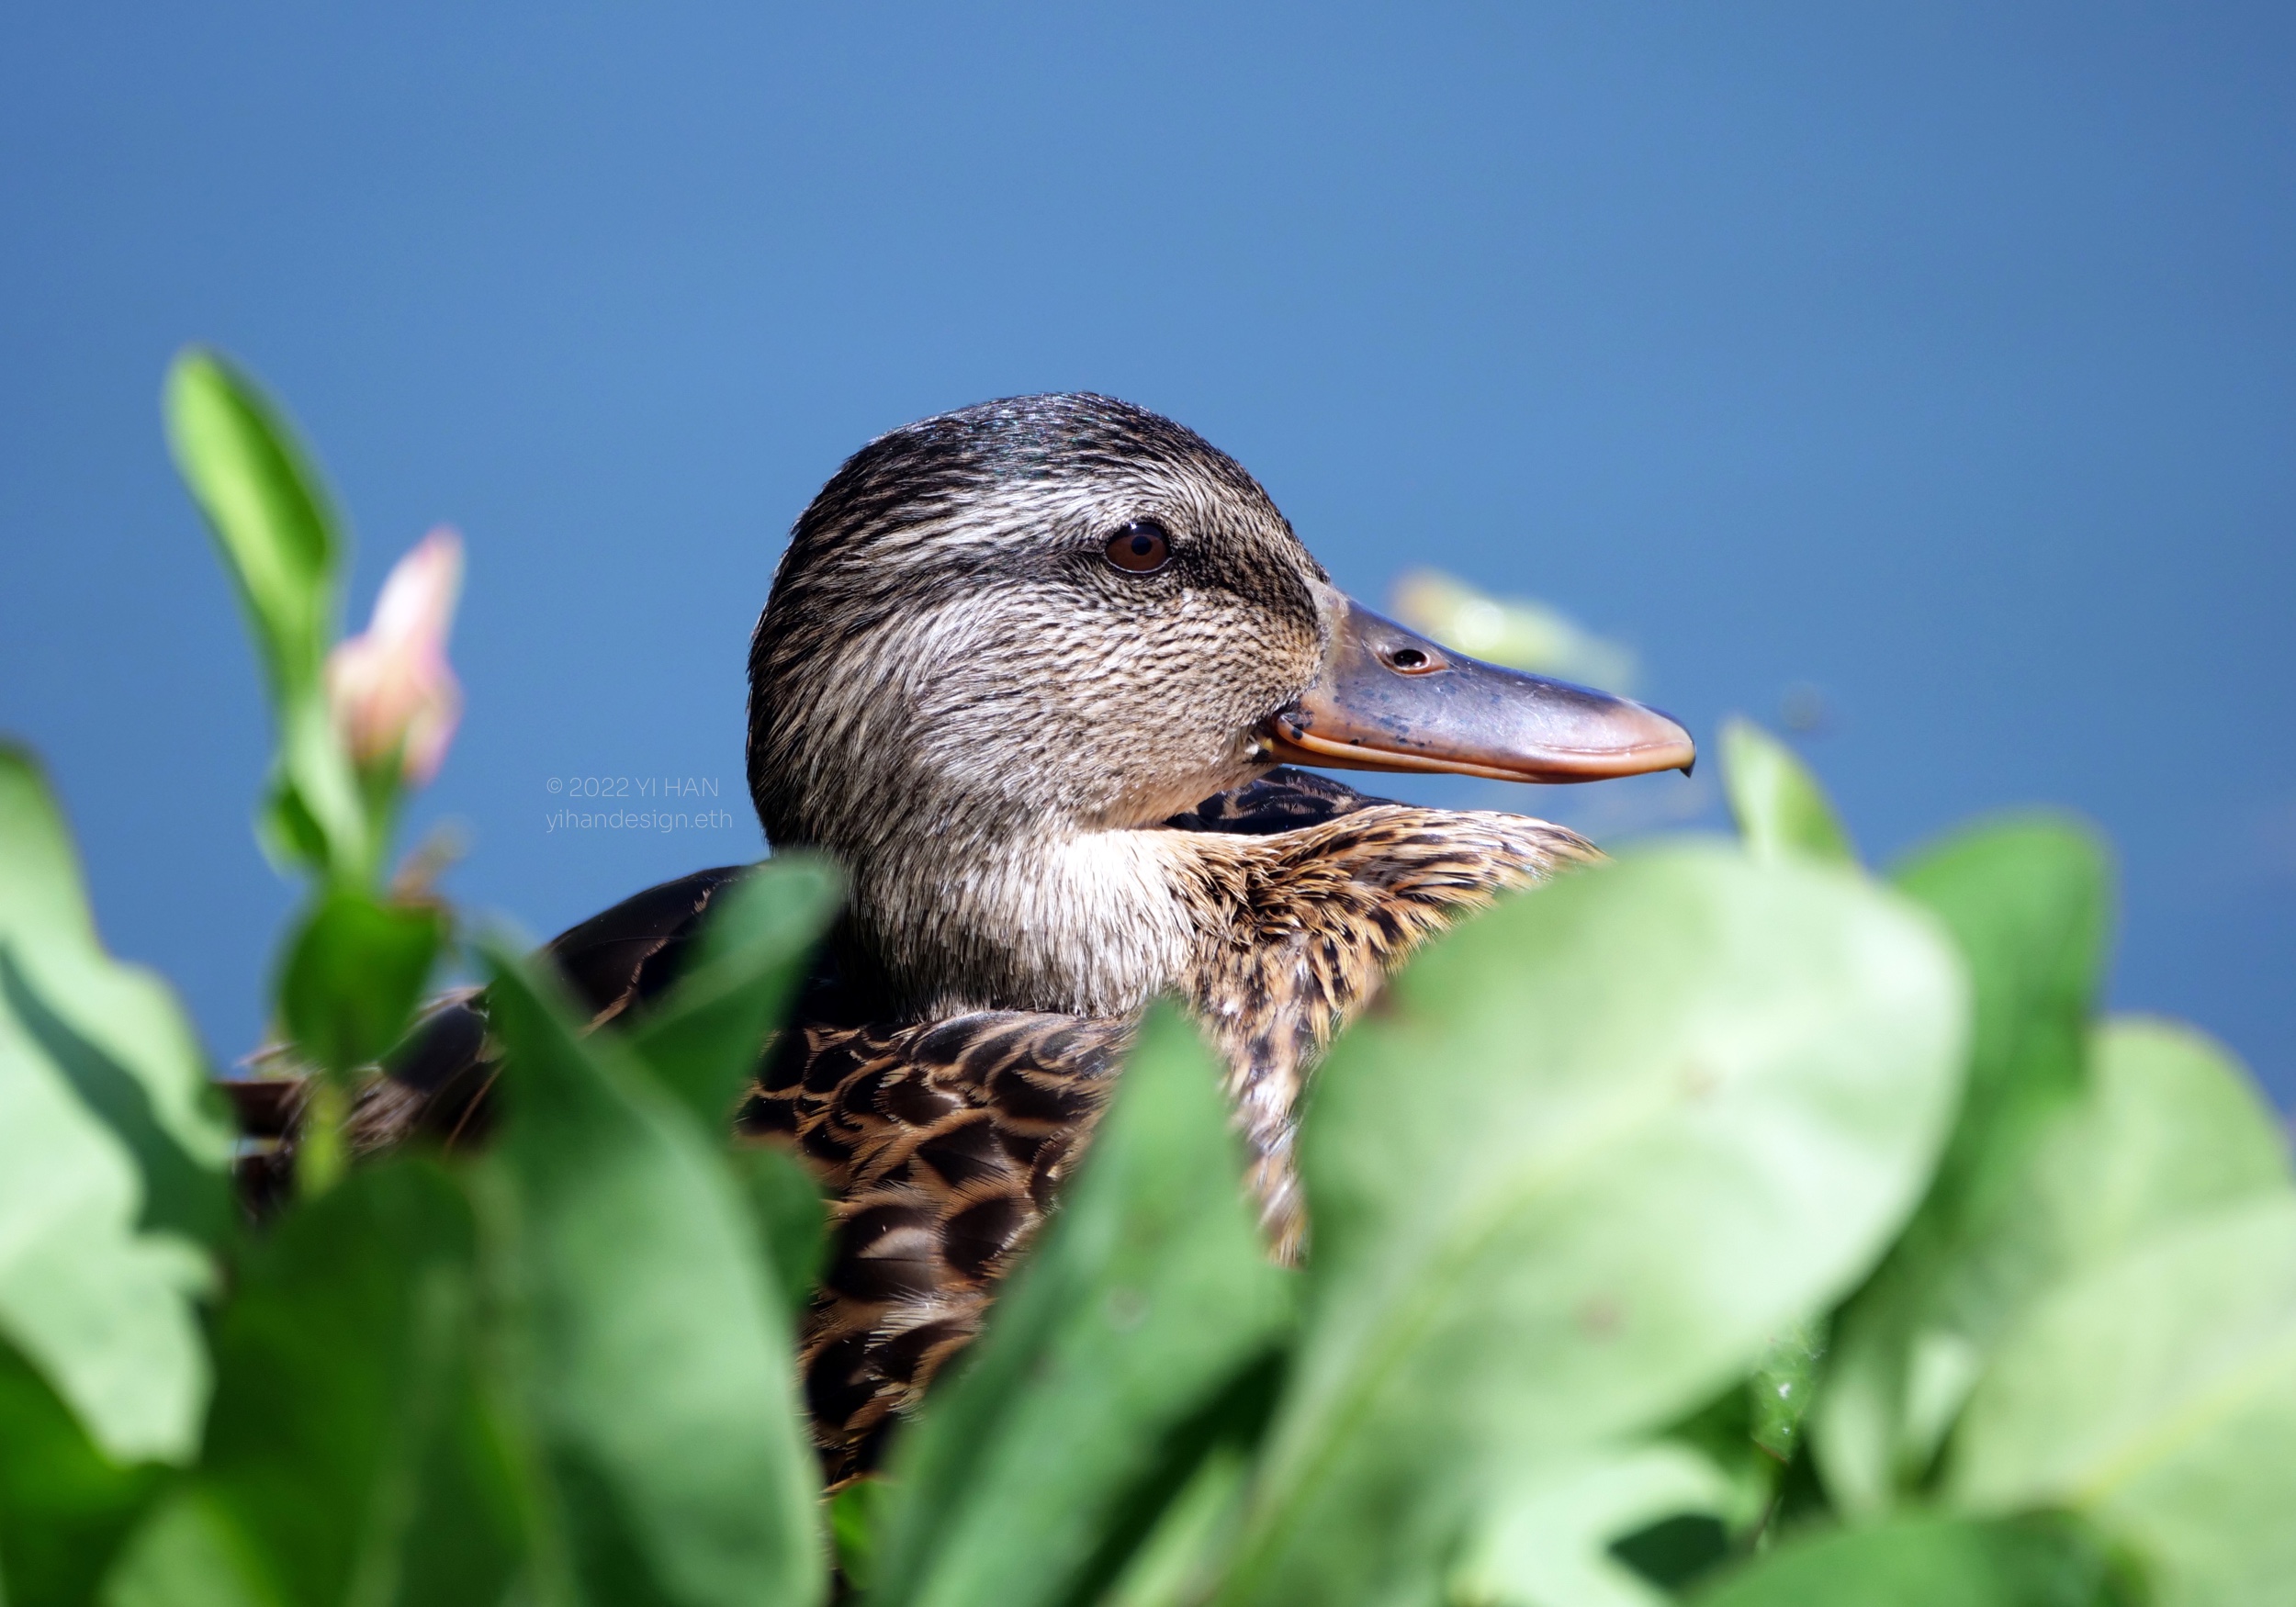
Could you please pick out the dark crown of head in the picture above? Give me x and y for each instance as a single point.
(911, 474)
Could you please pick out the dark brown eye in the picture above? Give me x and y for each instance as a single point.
(1140, 548)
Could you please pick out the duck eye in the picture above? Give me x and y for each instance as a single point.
(1140, 547)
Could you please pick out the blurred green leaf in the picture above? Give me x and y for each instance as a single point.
(280, 541)
(115, 1032)
(1722, 1433)
(656, 1361)
(190, 1553)
(1178, 1563)
(352, 1455)
(2028, 903)
(2169, 1128)
(110, 1154)
(64, 1506)
(183, 1193)
(1549, 1542)
(1781, 808)
(856, 1518)
(1930, 1561)
(1595, 1149)
(2158, 1396)
(354, 972)
(791, 1214)
(266, 508)
(1100, 1379)
(703, 1040)
(1783, 1387)
(1752, 1434)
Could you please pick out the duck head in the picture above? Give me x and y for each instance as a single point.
(1007, 643)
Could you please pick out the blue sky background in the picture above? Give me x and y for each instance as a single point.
(1938, 358)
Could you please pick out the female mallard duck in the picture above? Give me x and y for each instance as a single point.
(1028, 671)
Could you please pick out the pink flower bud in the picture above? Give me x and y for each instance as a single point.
(391, 690)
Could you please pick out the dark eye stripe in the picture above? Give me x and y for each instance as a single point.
(1140, 547)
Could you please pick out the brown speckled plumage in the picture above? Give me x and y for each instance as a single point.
(1301, 928)
(943, 1144)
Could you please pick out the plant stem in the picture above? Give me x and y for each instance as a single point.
(322, 1152)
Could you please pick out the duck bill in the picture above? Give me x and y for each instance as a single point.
(1389, 699)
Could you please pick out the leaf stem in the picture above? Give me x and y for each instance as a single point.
(322, 1153)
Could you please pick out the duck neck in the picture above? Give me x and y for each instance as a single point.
(1072, 922)
(1272, 941)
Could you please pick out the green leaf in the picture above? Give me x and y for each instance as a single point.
(111, 1153)
(190, 1553)
(1930, 1561)
(1118, 1352)
(2170, 1128)
(856, 1517)
(1783, 1387)
(1781, 809)
(704, 1038)
(1596, 1149)
(354, 971)
(185, 1193)
(104, 1310)
(281, 543)
(114, 1032)
(1178, 1563)
(1722, 1433)
(792, 1217)
(266, 508)
(2157, 1397)
(1549, 1540)
(1752, 1434)
(655, 1362)
(352, 1453)
(64, 1506)
(2028, 903)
